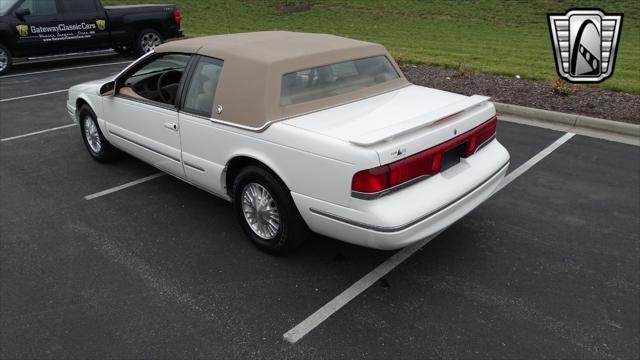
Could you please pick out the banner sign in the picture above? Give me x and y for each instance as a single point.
(61, 31)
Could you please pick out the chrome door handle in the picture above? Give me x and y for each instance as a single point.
(171, 126)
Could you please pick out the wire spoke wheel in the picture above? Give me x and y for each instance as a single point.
(260, 211)
(91, 134)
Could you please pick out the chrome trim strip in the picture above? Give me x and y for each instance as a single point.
(379, 194)
(194, 167)
(410, 223)
(147, 102)
(485, 143)
(133, 63)
(144, 147)
(226, 123)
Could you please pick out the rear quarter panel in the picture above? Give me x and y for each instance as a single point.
(314, 165)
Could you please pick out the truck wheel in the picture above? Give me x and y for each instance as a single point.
(99, 148)
(6, 60)
(147, 40)
(266, 211)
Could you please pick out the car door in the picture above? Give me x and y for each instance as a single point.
(87, 25)
(37, 33)
(202, 139)
(142, 118)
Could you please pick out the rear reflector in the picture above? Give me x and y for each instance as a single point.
(425, 163)
(177, 16)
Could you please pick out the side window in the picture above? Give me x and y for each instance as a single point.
(202, 88)
(157, 80)
(40, 7)
(75, 6)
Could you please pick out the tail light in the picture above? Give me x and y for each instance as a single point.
(177, 16)
(425, 163)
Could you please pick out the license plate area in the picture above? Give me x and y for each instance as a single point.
(451, 158)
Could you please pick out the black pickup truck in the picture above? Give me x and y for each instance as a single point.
(34, 28)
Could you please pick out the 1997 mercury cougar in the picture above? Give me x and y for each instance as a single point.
(300, 132)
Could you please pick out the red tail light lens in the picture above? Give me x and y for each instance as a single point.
(177, 16)
(480, 136)
(372, 180)
(425, 163)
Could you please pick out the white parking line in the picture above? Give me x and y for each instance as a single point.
(37, 132)
(534, 160)
(34, 95)
(63, 69)
(123, 186)
(307, 325)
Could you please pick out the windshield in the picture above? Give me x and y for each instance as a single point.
(5, 5)
(335, 79)
(165, 63)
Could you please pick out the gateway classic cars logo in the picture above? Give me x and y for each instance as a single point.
(23, 30)
(585, 42)
(101, 24)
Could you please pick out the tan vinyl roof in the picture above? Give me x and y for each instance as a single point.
(254, 63)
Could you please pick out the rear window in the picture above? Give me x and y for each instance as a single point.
(335, 79)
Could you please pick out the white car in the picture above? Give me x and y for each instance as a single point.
(301, 132)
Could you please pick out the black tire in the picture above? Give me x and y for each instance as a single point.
(292, 230)
(146, 35)
(106, 152)
(6, 60)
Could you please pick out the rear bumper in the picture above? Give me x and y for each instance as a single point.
(417, 212)
(173, 32)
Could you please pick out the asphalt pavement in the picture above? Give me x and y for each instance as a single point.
(548, 267)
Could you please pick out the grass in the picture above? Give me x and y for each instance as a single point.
(490, 36)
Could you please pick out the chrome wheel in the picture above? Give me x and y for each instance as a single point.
(260, 211)
(4, 60)
(91, 134)
(149, 41)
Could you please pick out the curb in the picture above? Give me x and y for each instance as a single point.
(573, 120)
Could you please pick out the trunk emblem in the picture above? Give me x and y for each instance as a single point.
(399, 152)
(219, 109)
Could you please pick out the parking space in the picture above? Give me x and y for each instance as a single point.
(30, 99)
(548, 266)
(30, 84)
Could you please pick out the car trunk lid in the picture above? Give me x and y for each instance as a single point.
(402, 122)
(385, 117)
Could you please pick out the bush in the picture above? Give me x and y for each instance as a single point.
(561, 87)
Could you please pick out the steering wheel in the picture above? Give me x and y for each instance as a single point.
(168, 92)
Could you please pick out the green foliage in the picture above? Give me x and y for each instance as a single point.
(560, 87)
(489, 36)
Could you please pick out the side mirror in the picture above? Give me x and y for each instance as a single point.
(108, 89)
(21, 13)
